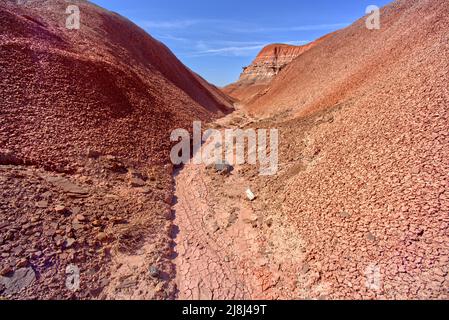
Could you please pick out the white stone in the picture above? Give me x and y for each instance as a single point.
(250, 195)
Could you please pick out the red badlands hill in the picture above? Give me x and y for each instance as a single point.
(268, 64)
(108, 86)
(352, 59)
(365, 156)
(270, 61)
(85, 127)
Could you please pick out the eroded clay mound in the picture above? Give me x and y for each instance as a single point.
(365, 155)
(270, 61)
(108, 86)
(85, 126)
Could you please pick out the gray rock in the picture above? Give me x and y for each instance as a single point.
(154, 271)
(19, 280)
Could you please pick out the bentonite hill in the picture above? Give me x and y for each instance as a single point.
(359, 208)
(270, 61)
(364, 158)
(85, 120)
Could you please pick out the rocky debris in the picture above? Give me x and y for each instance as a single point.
(233, 217)
(6, 271)
(67, 186)
(60, 209)
(79, 218)
(219, 231)
(127, 284)
(93, 107)
(120, 109)
(22, 263)
(114, 164)
(133, 173)
(102, 237)
(69, 243)
(360, 204)
(19, 280)
(364, 163)
(70, 230)
(42, 204)
(224, 169)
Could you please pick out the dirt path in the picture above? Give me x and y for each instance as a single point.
(204, 271)
(228, 247)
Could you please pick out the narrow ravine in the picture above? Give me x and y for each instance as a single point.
(203, 268)
(224, 249)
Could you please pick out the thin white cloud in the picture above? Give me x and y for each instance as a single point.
(234, 26)
(313, 27)
(172, 38)
(175, 24)
(184, 32)
(235, 51)
(318, 27)
(243, 49)
(187, 23)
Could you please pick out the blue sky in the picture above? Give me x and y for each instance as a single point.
(216, 38)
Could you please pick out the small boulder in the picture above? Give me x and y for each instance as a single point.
(22, 263)
(102, 237)
(222, 168)
(6, 271)
(69, 243)
(42, 204)
(59, 209)
(371, 237)
(154, 271)
(114, 164)
(68, 187)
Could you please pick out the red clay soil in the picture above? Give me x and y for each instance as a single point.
(108, 86)
(365, 156)
(85, 124)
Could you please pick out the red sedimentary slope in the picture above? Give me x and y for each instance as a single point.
(271, 60)
(354, 58)
(108, 86)
(85, 126)
(365, 156)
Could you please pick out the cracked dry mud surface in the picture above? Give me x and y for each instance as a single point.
(204, 269)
